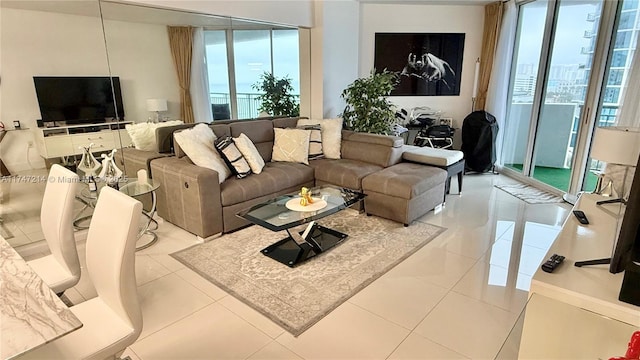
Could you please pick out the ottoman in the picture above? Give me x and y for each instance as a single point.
(404, 192)
(450, 160)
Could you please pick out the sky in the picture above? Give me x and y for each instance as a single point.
(571, 25)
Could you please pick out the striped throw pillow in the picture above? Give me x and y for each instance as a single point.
(232, 156)
(315, 141)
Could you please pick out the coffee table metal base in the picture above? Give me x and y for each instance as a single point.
(291, 252)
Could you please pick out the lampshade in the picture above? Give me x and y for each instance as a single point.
(616, 145)
(156, 104)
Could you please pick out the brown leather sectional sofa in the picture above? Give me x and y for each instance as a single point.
(192, 198)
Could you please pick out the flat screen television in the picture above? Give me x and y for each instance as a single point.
(627, 247)
(79, 99)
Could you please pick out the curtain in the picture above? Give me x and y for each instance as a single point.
(629, 116)
(492, 22)
(181, 43)
(200, 98)
(499, 84)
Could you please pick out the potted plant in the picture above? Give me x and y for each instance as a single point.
(368, 109)
(277, 99)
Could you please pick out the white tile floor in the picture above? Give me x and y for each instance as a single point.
(458, 297)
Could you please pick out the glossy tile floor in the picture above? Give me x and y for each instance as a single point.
(458, 297)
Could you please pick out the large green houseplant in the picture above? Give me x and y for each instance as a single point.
(277, 99)
(368, 109)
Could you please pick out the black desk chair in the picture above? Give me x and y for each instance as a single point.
(221, 111)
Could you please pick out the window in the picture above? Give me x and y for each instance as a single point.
(619, 58)
(623, 39)
(611, 95)
(627, 20)
(615, 77)
(217, 68)
(255, 52)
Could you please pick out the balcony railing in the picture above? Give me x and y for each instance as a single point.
(248, 103)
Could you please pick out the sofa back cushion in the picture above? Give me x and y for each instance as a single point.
(164, 137)
(259, 131)
(374, 149)
(284, 123)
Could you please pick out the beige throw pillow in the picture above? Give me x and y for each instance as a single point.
(291, 145)
(331, 135)
(143, 135)
(250, 153)
(197, 143)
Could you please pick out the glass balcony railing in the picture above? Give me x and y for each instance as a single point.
(248, 103)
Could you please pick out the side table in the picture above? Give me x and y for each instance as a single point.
(134, 189)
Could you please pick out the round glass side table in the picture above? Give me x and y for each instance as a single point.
(134, 189)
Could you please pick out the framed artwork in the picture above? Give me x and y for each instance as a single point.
(428, 64)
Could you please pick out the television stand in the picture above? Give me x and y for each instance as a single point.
(61, 141)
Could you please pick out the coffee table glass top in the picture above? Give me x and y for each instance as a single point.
(274, 215)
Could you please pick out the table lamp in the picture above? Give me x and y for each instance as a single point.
(619, 146)
(157, 105)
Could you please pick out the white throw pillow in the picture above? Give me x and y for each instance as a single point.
(143, 135)
(250, 153)
(197, 143)
(331, 135)
(291, 145)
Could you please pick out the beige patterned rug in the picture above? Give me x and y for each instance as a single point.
(296, 298)
(529, 194)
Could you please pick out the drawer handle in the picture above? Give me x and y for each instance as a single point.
(98, 138)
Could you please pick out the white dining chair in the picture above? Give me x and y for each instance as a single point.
(61, 269)
(112, 320)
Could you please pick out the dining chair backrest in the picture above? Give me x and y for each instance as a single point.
(56, 218)
(110, 254)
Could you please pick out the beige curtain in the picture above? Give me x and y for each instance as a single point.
(492, 23)
(181, 43)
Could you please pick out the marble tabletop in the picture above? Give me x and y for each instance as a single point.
(30, 313)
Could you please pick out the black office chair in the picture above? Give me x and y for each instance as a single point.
(221, 111)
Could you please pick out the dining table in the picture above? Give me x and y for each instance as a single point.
(31, 314)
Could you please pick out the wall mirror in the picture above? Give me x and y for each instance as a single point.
(128, 44)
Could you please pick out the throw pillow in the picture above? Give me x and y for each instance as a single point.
(143, 135)
(315, 141)
(250, 153)
(232, 156)
(331, 135)
(291, 145)
(197, 143)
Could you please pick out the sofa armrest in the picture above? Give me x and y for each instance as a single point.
(382, 150)
(189, 195)
(132, 160)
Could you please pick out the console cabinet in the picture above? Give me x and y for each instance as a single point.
(574, 313)
(62, 141)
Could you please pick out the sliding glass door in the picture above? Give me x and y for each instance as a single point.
(556, 79)
(564, 91)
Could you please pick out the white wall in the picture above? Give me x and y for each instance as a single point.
(424, 19)
(47, 43)
(41, 43)
(340, 26)
(140, 55)
(287, 12)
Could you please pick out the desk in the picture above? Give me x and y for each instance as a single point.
(31, 315)
(571, 290)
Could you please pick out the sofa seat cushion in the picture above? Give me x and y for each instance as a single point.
(343, 172)
(431, 156)
(404, 180)
(275, 176)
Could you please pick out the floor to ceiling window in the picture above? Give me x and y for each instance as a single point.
(254, 52)
(551, 80)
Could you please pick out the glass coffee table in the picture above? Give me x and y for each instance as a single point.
(284, 212)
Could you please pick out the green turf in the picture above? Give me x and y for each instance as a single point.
(556, 177)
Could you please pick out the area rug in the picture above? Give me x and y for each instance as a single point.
(296, 298)
(529, 194)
